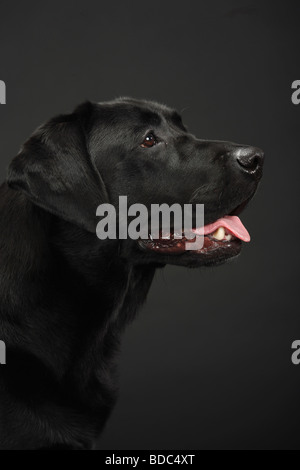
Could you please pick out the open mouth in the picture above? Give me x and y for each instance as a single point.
(223, 235)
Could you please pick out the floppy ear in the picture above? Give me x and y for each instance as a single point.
(55, 171)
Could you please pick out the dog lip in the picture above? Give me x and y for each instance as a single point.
(177, 247)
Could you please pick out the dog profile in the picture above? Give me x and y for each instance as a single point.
(65, 295)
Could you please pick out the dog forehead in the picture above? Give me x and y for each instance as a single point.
(154, 111)
(133, 111)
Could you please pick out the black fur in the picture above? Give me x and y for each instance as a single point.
(66, 296)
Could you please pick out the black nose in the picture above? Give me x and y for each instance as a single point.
(250, 160)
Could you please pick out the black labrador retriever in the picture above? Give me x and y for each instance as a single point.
(65, 295)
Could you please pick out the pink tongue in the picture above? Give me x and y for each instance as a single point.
(231, 223)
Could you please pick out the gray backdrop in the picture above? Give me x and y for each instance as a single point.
(208, 362)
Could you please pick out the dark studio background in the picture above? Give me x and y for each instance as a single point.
(207, 364)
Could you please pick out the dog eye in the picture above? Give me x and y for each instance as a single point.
(149, 141)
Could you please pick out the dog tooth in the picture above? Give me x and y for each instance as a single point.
(228, 237)
(219, 234)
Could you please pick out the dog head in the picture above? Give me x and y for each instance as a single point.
(141, 150)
